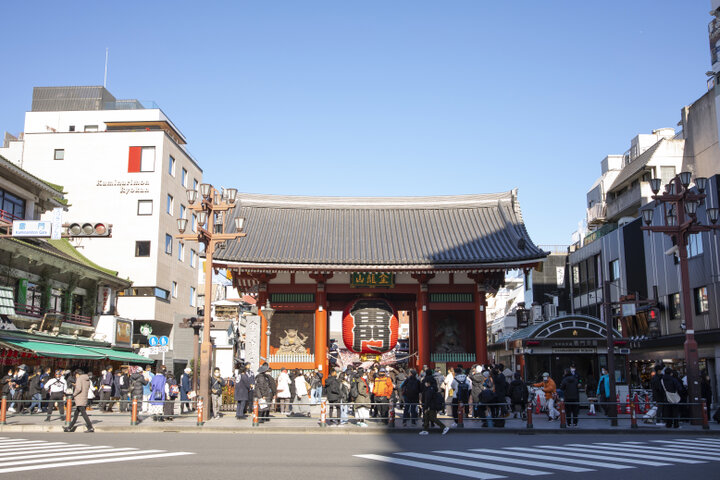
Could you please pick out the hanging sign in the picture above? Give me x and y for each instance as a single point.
(372, 279)
(370, 325)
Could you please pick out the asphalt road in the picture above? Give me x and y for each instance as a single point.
(120, 456)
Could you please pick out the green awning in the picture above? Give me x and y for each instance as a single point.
(56, 350)
(119, 355)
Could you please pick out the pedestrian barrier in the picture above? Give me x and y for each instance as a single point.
(563, 418)
(3, 410)
(68, 409)
(200, 411)
(256, 414)
(133, 415)
(633, 418)
(391, 415)
(460, 415)
(529, 423)
(323, 414)
(705, 424)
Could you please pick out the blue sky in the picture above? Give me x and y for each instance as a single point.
(382, 97)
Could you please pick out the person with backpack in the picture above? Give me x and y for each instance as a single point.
(461, 387)
(487, 398)
(361, 392)
(157, 395)
(333, 390)
(518, 396)
(571, 397)
(410, 391)
(432, 402)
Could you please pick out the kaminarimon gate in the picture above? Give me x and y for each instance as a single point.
(434, 257)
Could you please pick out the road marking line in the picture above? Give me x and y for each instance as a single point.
(72, 450)
(18, 446)
(578, 455)
(710, 449)
(620, 451)
(16, 442)
(469, 463)
(431, 466)
(74, 456)
(665, 451)
(634, 460)
(690, 443)
(90, 462)
(529, 463)
(603, 464)
(701, 439)
(42, 449)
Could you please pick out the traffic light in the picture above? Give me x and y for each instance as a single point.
(88, 229)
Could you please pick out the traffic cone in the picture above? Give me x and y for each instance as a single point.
(537, 405)
(617, 402)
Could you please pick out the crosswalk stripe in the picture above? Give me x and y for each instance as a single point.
(43, 453)
(669, 451)
(620, 451)
(39, 449)
(135, 458)
(590, 463)
(699, 451)
(11, 440)
(469, 463)
(19, 442)
(19, 445)
(430, 466)
(74, 456)
(569, 454)
(698, 448)
(519, 461)
(563, 451)
(690, 443)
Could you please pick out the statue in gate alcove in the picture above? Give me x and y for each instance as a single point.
(447, 337)
(293, 342)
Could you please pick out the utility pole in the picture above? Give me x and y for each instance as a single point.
(607, 310)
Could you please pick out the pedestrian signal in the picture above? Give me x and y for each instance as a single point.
(89, 229)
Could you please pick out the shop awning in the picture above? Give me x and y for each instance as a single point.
(119, 355)
(56, 350)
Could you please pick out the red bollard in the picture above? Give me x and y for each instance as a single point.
(3, 410)
(200, 410)
(529, 416)
(133, 414)
(538, 403)
(633, 415)
(563, 417)
(391, 415)
(323, 413)
(617, 403)
(68, 410)
(461, 411)
(705, 425)
(256, 414)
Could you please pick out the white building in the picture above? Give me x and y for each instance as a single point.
(122, 162)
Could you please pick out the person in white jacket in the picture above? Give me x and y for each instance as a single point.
(56, 389)
(447, 385)
(283, 391)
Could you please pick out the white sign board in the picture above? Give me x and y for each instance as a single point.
(56, 224)
(628, 309)
(31, 228)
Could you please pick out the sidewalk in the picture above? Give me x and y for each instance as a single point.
(279, 423)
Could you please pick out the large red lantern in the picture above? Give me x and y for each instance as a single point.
(370, 326)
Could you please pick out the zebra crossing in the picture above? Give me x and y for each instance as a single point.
(538, 460)
(20, 455)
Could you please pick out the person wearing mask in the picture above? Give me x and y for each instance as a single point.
(571, 392)
(243, 386)
(137, 382)
(106, 386)
(56, 387)
(283, 391)
(410, 390)
(518, 396)
(19, 387)
(185, 388)
(333, 391)
(6, 383)
(603, 391)
(461, 387)
(216, 386)
(265, 391)
(301, 402)
(550, 389)
(362, 398)
(80, 391)
(35, 390)
(316, 385)
(157, 395)
(432, 402)
(383, 390)
(46, 375)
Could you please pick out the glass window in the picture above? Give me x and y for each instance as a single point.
(169, 204)
(701, 300)
(695, 245)
(674, 306)
(576, 276)
(193, 223)
(182, 211)
(145, 207)
(142, 248)
(161, 293)
(195, 184)
(174, 289)
(193, 258)
(168, 244)
(615, 269)
(12, 205)
(59, 154)
(183, 179)
(192, 296)
(171, 166)
(147, 159)
(181, 251)
(666, 174)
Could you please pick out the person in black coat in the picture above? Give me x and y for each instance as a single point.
(137, 381)
(658, 393)
(265, 389)
(571, 397)
(333, 390)
(518, 396)
(671, 384)
(243, 385)
(411, 397)
(499, 409)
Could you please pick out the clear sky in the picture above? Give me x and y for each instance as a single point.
(376, 97)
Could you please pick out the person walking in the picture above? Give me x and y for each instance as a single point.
(500, 388)
(283, 391)
(157, 395)
(461, 387)
(432, 402)
(672, 387)
(550, 390)
(185, 388)
(316, 386)
(243, 385)
(216, 387)
(149, 375)
(19, 387)
(80, 392)
(571, 397)
(383, 389)
(56, 393)
(35, 390)
(172, 392)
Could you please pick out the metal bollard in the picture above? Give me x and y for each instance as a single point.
(323, 413)
(68, 409)
(461, 415)
(3, 410)
(256, 413)
(705, 425)
(133, 414)
(633, 415)
(391, 415)
(529, 416)
(563, 415)
(200, 410)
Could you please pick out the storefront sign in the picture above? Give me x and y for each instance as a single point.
(123, 332)
(574, 350)
(372, 279)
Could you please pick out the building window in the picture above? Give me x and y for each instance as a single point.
(142, 248)
(701, 300)
(71, 128)
(667, 174)
(195, 184)
(193, 223)
(141, 159)
(174, 289)
(91, 128)
(156, 292)
(674, 306)
(168, 244)
(695, 245)
(182, 211)
(59, 154)
(183, 179)
(11, 207)
(169, 204)
(614, 269)
(181, 251)
(193, 258)
(145, 207)
(192, 296)
(171, 166)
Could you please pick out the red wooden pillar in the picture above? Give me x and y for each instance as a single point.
(481, 356)
(321, 323)
(261, 299)
(423, 326)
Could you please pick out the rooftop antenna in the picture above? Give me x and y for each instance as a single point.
(106, 62)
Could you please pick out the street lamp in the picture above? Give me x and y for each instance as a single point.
(267, 312)
(211, 206)
(680, 208)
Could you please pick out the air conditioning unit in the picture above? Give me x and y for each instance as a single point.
(537, 316)
(550, 311)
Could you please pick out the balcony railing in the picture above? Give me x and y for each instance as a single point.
(628, 201)
(34, 311)
(8, 217)
(596, 213)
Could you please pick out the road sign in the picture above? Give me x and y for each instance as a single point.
(153, 341)
(31, 228)
(163, 349)
(163, 340)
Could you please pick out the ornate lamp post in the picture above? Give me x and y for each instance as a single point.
(213, 208)
(680, 212)
(267, 312)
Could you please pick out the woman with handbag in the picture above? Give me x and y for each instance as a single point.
(157, 395)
